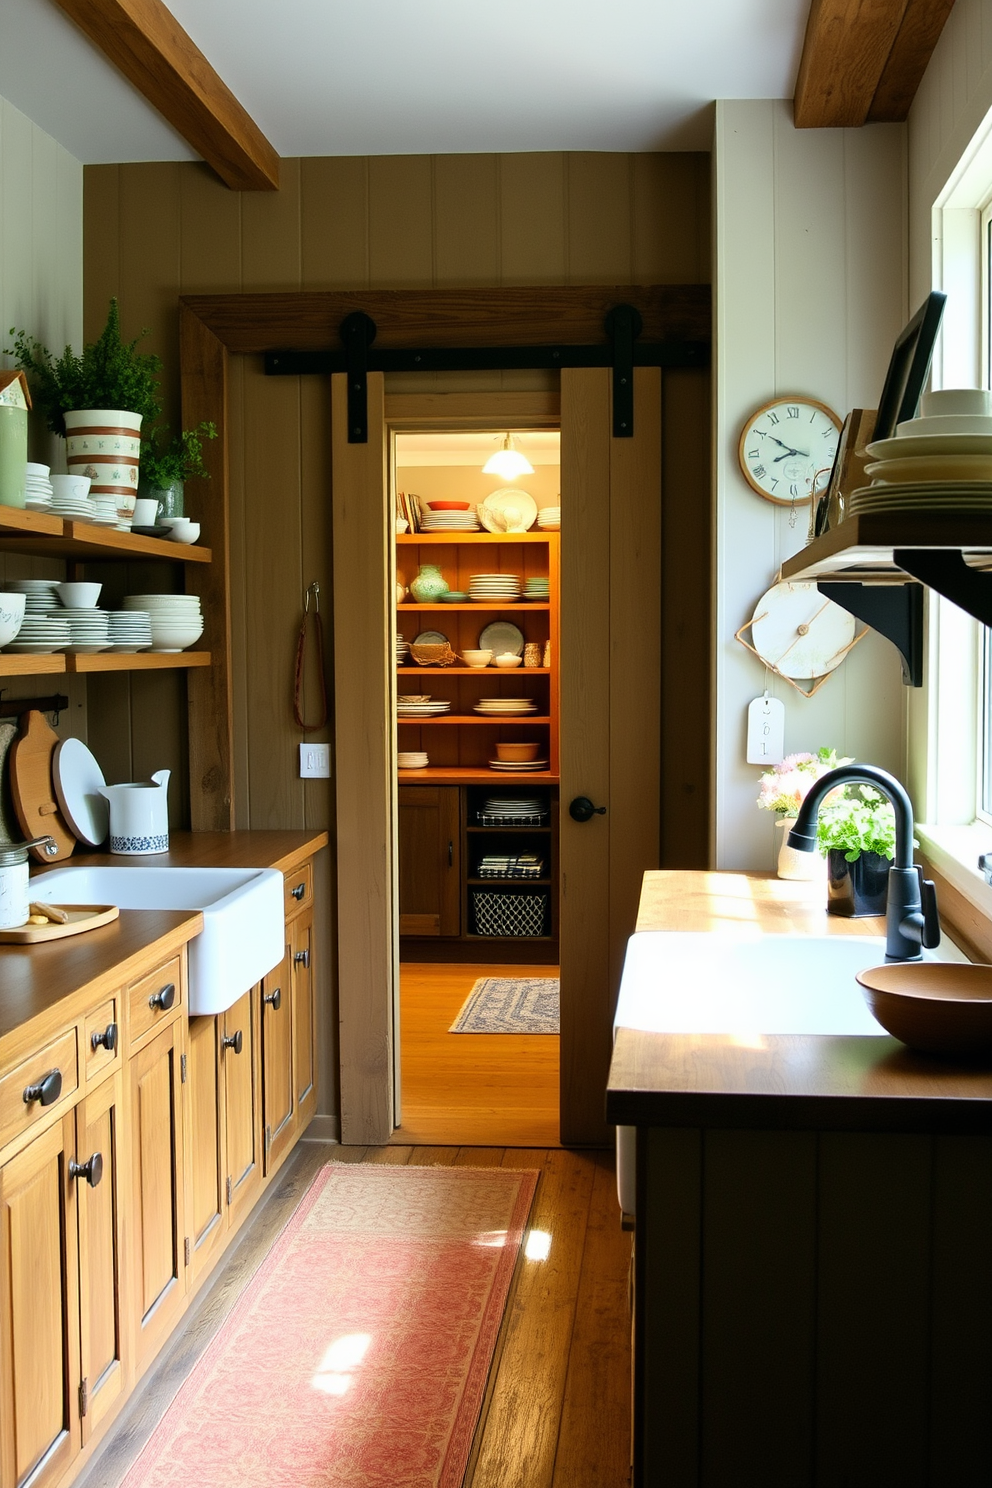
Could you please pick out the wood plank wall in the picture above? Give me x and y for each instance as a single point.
(156, 231)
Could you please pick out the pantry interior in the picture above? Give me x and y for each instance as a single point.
(477, 833)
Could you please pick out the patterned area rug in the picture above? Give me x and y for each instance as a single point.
(357, 1355)
(510, 1005)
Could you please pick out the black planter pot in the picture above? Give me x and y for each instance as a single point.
(857, 889)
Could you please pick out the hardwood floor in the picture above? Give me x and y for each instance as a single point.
(557, 1407)
(500, 1089)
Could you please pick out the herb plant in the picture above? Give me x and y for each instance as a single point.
(108, 373)
(165, 462)
(861, 821)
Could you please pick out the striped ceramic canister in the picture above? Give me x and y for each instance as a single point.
(105, 444)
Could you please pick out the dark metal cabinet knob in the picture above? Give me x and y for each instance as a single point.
(274, 999)
(91, 1170)
(46, 1091)
(582, 809)
(163, 998)
(106, 1040)
(302, 958)
(235, 1041)
(299, 891)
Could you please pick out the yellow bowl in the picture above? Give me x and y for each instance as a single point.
(924, 468)
(941, 1007)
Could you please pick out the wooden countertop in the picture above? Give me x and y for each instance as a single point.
(262, 849)
(795, 1082)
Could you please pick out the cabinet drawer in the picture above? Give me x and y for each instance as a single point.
(59, 1059)
(151, 1001)
(299, 889)
(101, 1038)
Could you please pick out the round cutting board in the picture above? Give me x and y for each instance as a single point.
(78, 782)
(32, 788)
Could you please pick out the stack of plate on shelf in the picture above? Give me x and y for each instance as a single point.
(102, 510)
(940, 462)
(130, 630)
(933, 496)
(70, 502)
(464, 520)
(495, 588)
(39, 487)
(40, 595)
(41, 634)
(549, 518)
(402, 650)
(511, 811)
(510, 865)
(89, 629)
(411, 760)
(421, 707)
(176, 619)
(505, 707)
(513, 766)
(537, 589)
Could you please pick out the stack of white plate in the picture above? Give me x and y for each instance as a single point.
(69, 504)
(41, 634)
(130, 630)
(549, 518)
(40, 595)
(931, 496)
(411, 760)
(513, 809)
(89, 629)
(517, 765)
(537, 589)
(177, 621)
(505, 707)
(495, 588)
(102, 510)
(941, 461)
(402, 650)
(421, 707)
(39, 487)
(449, 521)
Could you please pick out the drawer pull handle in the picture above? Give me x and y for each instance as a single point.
(107, 1039)
(163, 998)
(299, 891)
(274, 999)
(302, 958)
(235, 1041)
(91, 1170)
(46, 1091)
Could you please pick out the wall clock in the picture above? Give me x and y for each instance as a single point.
(785, 445)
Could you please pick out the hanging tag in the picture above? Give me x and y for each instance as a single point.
(765, 731)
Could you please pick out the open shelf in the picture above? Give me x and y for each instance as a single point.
(137, 661)
(462, 775)
(420, 539)
(26, 523)
(513, 718)
(474, 828)
(861, 548)
(507, 604)
(28, 666)
(490, 883)
(50, 537)
(487, 671)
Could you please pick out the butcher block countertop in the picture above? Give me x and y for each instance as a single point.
(265, 849)
(796, 1082)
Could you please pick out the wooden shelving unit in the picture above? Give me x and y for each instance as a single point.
(139, 661)
(16, 665)
(861, 548)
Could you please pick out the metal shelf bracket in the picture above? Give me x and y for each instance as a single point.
(894, 610)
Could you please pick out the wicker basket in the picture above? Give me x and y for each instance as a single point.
(510, 914)
(433, 654)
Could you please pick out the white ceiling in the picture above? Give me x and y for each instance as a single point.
(375, 77)
(436, 449)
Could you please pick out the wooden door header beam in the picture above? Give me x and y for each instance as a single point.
(863, 60)
(147, 44)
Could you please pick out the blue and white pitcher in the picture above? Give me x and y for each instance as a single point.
(139, 815)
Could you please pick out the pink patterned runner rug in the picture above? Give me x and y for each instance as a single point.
(357, 1355)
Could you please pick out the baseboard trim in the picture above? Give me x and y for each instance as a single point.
(323, 1129)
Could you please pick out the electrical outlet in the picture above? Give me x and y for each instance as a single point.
(315, 761)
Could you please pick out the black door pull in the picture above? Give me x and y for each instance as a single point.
(164, 997)
(91, 1170)
(107, 1039)
(582, 809)
(47, 1090)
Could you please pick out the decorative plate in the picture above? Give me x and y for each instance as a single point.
(508, 510)
(430, 638)
(502, 636)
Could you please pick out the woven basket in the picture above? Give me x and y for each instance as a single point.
(509, 914)
(433, 654)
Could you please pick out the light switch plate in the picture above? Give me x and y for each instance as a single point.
(765, 731)
(315, 761)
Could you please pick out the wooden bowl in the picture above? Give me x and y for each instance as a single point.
(521, 753)
(941, 1007)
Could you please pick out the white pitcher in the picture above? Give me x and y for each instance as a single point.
(139, 815)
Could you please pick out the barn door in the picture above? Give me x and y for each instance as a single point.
(610, 714)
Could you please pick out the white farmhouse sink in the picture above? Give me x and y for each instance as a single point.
(242, 935)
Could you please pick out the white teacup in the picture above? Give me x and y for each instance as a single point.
(145, 512)
(76, 486)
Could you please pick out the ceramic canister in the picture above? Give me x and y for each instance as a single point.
(105, 444)
(14, 894)
(139, 816)
(429, 584)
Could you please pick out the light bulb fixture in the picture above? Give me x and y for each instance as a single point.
(507, 462)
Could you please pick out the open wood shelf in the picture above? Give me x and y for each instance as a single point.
(84, 541)
(507, 604)
(420, 539)
(461, 775)
(489, 883)
(27, 666)
(26, 523)
(487, 671)
(137, 661)
(514, 718)
(521, 828)
(861, 547)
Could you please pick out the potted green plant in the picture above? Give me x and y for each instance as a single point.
(97, 399)
(856, 831)
(783, 789)
(166, 465)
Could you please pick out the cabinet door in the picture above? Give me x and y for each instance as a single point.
(277, 1061)
(239, 1072)
(158, 1290)
(304, 1075)
(205, 1192)
(98, 1180)
(39, 1311)
(429, 860)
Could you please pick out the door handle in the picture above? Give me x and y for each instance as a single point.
(451, 854)
(91, 1170)
(582, 809)
(274, 999)
(233, 1041)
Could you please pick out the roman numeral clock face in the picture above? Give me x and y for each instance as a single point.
(786, 447)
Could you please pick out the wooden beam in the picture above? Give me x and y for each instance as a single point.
(863, 60)
(147, 44)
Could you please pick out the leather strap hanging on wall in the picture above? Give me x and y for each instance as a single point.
(301, 651)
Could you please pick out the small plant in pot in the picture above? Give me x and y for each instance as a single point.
(857, 833)
(166, 465)
(783, 789)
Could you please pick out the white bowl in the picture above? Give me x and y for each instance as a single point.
(477, 659)
(508, 661)
(181, 529)
(180, 639)
(957, 401)
(946, 423)
(11, 616)
(79, 596)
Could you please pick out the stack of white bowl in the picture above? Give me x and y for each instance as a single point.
(412, 760)
(941, 461)
(549, 518)
(130, 630)
(176, 619)
(38, 486)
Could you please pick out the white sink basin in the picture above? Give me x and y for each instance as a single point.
(242, 935)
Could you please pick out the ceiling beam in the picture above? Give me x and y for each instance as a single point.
(863, 60)
(147, 44)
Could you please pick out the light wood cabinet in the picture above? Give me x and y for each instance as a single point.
(304, 1030)
(429, 860)
(157, 1206)
(204, 1168)
(240, 1078)
(278, 1106)
(100, 1183)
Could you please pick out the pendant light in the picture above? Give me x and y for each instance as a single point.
(507, 462)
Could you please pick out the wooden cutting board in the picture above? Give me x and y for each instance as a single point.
(82, 917)
(32, 787)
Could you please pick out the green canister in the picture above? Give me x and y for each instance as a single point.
(14, 405)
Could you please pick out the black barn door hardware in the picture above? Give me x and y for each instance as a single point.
(895, 611)
(621, 351)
